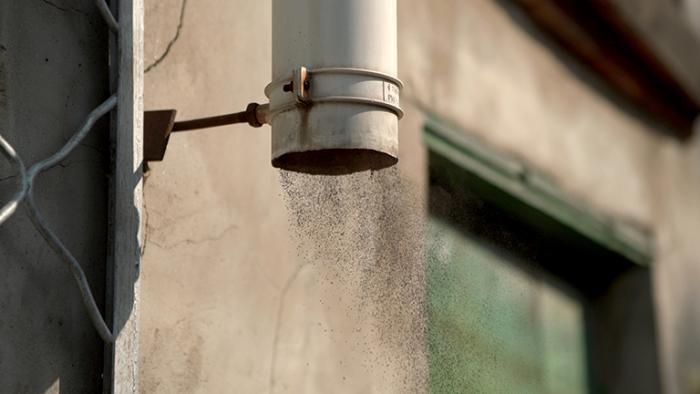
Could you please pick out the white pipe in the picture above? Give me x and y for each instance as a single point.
(345, 118)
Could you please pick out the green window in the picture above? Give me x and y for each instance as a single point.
(497, 328)
(528, 292)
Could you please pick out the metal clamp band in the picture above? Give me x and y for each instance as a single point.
(390, 89)
(360, 100)
(358, 71)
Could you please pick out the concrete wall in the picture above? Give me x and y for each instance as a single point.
(53, 72)
(228, 301)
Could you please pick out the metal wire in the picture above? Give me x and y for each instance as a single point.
(8, 209)
(107, 15)
(26, 194)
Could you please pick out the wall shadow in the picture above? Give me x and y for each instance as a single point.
(581, 71)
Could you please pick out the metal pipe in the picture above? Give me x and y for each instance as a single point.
(334, 99)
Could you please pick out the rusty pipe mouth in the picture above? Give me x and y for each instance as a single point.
(334, 161)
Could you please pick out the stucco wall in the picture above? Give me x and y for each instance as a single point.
(53, 72)
(226, 300)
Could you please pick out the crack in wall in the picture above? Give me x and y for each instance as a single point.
(172, 40)
(146, 227)
(58, 165)
(278, 324)
(189, 241)
(8, 178)
(64, 9)
(94, 148)
(66, 165)
(54, 5)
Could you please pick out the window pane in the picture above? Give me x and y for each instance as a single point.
(495, 326)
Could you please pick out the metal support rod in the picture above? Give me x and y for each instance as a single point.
(250, 116)
(158, 125)
(214, 121)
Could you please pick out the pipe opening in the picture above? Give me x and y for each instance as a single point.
(334, 161)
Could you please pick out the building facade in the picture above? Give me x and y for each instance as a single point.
(539, 234)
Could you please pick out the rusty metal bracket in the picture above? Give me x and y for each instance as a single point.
(158, 125)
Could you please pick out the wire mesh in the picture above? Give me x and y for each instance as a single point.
(25, 194)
